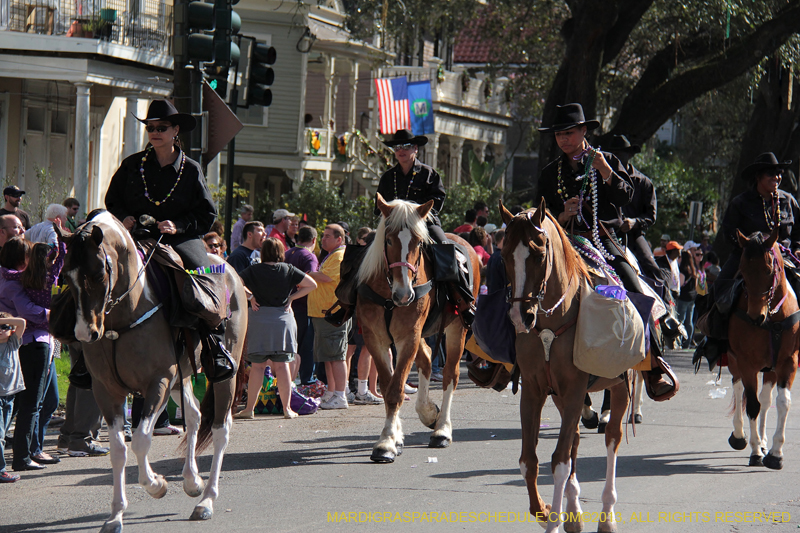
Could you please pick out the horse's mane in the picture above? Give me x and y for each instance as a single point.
(573, 263)
(404, 215)
(755, 245)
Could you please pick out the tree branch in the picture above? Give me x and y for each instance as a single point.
(630, 14)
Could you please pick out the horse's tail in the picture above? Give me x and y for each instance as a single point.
(206, 419)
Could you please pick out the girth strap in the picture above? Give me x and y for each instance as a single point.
(113, 335)
(388, 305)
(775, 330)
(547, 337)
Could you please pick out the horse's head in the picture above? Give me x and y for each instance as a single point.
(401, 233)
(526, 261)
(91, 267)
(761, 266)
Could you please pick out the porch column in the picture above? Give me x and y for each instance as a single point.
(499, 151)
(431, 149)
(329, 113)
(479, 147)
(81, 146)
(456, 147)
(132, 132)
(353, 125)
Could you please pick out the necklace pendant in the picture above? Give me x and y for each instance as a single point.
(157, 202)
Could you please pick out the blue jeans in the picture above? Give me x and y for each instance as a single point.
(46, 410)
(305, 347)
(685, 316)
(6, 408)
(33, 360)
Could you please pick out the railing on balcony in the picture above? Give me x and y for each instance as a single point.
(141, 24)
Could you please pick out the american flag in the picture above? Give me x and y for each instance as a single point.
(393, 104)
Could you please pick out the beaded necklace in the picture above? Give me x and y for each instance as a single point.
(562, 190)
(144, 181)
(408, 189)
(777, 205)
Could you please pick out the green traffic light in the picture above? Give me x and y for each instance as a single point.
(213, 84)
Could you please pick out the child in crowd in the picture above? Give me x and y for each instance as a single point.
(11, 382)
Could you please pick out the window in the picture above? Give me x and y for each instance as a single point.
(36, 118)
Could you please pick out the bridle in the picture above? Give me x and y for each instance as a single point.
(389, 266)
(777, 269)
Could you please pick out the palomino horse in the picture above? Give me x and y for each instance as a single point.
(114, 301)
(763, 336)
(546, 274)
(396, 273)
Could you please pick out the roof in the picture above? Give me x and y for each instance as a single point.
(471, 47)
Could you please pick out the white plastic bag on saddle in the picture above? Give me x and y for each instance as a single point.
(609, 335)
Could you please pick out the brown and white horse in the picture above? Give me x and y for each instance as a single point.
(397, 273)
(546, 274)
(763, 336)
(130, 347)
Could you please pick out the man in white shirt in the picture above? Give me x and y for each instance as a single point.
(43, 231)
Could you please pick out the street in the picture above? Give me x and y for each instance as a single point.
(314, 474)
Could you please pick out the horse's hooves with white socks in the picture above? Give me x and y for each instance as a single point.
(382, 456)
(607, 527)
(756, 460)
(439, 442)
(111, 527)
(193, 489)
(773, 462)
(201, 512)
(573, 527)
(161, 488)
(432, 425)
(737, 444)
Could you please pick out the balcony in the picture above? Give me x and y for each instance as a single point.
(144, 25)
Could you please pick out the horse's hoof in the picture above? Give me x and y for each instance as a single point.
(591, 423)
(162, 488)
(382, 456)
(193, 491)
(573, 527)
(399, 446)
(201, 512)
(756, 460)
(432, 425)
(439, 442)
(736, 443)
(635, 419)
(601, 427)
(111, 527)
(773, 462)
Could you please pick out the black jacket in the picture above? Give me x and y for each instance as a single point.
(425, 184)
(746, 213)
(643, 206)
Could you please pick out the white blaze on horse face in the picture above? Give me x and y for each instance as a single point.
(404, 291)
(521, 253)
(83, 331)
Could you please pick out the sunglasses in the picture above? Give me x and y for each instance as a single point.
(7, 327)
(159, 129)
(407, 146)
(214, 245)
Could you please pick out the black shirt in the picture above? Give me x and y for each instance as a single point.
(421, 184)
(271, 285)
(609, 197)
(20, 214)
(643, 206)
(746, 213)
(190, 205)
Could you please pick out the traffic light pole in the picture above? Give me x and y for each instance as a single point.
(234, 104)
(196, 148)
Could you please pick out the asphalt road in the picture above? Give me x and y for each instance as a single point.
(676, 474)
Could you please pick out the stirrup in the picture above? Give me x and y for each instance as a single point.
(338, 318)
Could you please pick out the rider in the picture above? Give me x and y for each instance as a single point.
(165, 184)
(412, 180)
(754, 210)
(571, 189)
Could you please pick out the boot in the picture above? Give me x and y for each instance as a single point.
(347, 290)
(466, 308)
(342, 315)
(216, 359)
(451, 267)
(79, 375)
(711, 349)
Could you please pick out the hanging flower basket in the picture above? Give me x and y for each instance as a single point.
(465, 81)
(440, 74)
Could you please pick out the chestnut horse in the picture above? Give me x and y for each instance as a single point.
(129, 346)
(398, 274)
(763, 337)
(546, 274)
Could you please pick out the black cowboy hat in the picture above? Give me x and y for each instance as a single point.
(569, 116)
(164, 110)
(765, 161)
(406, 137)
(620, 143)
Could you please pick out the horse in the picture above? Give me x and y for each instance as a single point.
(766, 315)
(130, 347)
(394, 301)
(545, 274)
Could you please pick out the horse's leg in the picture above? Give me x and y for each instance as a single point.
(619, 404)
(738, 439)
(530, 409)
(569, 404)
(765, 398)
(427, 410)
(115, 418)
(785, 373)
(572, 492)
(192, 482)
(220, 433)
(753, 408)
(155, 401)
(390, 442)
(443, 433)
(589, 417)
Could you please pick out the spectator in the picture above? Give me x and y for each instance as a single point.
(330, 342)
(280, 221)
(217, 228)
(688, 295)
(346, 227)
(11, 381)
(302, 257)
(72, 205)
(10, 226)
(271, 328)
(237, 232)
(712, 267)
(214, 243)
(480, 240)
(481, 209)
(13, 197)
(291, 232)
(469, 222)
(661, 251)
(481, 221)
(670, 264)
(705, 243)
(43, 231)
(248, 253)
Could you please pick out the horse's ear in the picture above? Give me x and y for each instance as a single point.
(505, 214)
(64, 236)
(424, 209)
(383, 207)
(773, 236)
(741, 238)
(538, 217)
(97, 235)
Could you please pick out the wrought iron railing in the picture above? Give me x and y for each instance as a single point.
(141, 24)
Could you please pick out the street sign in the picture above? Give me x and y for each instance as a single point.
(223, 124)
(695, 213)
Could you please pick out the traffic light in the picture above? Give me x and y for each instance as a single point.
(199, 24)
(261, 75)
(227, 23)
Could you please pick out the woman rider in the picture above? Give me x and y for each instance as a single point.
(756, 209)
(165, 184)
(414, 181)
